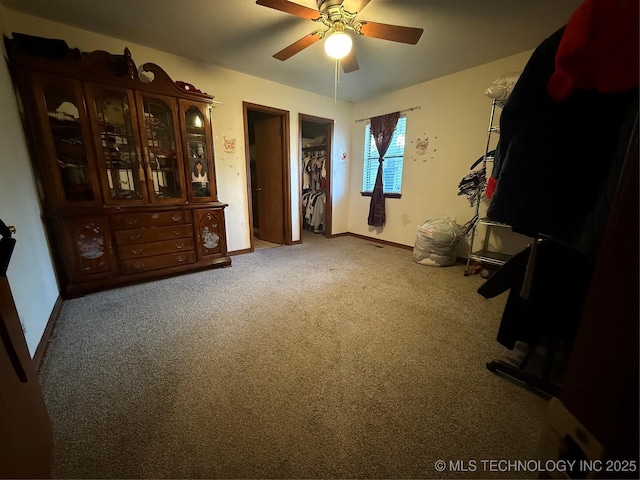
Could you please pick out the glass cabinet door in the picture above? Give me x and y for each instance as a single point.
(196, 128)
(66, 136)
(112, 114)
(162, 150)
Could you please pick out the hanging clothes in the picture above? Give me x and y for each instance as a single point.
(472, 185)
(557, 163)
(561, 277)
(314, 184)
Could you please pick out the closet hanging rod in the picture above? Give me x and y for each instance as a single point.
(417, 107)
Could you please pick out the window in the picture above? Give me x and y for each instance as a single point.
(392, 165)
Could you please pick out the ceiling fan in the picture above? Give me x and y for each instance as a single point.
(338, 16)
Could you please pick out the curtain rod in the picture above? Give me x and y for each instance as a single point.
(418, 107)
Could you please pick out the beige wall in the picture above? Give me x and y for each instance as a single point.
(454, 117)
(231, 89)
(30, 273)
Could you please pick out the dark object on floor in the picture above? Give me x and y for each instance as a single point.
(548, 314)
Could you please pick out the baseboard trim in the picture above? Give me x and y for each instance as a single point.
(377, 240)
(240, 252)
(459, 260)
(41, 349)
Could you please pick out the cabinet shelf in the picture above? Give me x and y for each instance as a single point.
(71, 165)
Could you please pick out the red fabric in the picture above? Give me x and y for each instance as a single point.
(491, 187)
(598, 50)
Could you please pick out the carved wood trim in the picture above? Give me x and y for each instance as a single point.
(107, 68)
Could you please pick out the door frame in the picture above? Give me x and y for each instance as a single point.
(329, 123)
(286, 168)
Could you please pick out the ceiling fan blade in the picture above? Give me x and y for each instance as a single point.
(394, 33)
(355, 6)
(350, 62)
(298, 46)
(290, 7)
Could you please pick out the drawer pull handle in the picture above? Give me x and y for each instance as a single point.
(176, 218)
(155, 216)
(179, 245)
(136, 251)
(132, 221)
(135, 237)
(177, 232)
(181, 258)
(139, 266)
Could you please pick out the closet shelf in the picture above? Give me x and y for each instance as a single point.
(314, 148)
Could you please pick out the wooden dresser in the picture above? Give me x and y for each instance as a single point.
(124, 165)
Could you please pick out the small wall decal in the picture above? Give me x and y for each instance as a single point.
(229, 144)
(422, 145)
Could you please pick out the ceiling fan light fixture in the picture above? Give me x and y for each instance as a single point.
(338, 45)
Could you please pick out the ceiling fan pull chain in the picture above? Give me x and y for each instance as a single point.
(335, 90)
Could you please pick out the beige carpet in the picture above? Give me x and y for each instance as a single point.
(335, 358)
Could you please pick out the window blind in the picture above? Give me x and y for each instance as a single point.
(393, 160)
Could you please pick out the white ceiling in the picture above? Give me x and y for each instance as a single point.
(243, 36)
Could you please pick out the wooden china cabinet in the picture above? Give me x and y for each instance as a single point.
(124, 165)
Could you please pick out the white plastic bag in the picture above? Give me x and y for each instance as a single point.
(501, 88)
(436, 242)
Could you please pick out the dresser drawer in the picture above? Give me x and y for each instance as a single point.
(159, 219)
(155, 263)
(141, 250)
(153, 234)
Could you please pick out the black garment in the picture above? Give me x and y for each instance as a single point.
(557, 163)
(560, 280)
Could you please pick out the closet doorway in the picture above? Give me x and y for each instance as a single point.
(268, 173)
(315, 203)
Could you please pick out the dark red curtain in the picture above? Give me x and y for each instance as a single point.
(382, 128)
